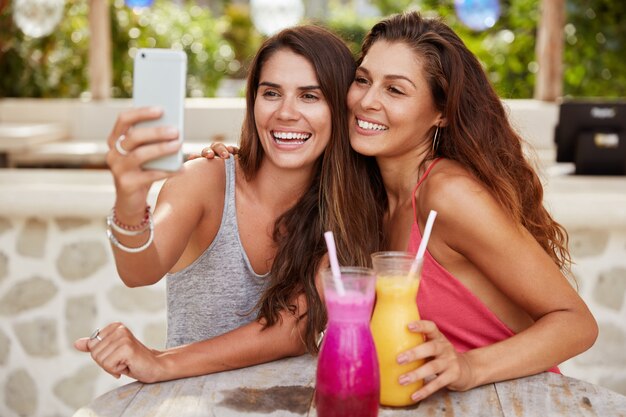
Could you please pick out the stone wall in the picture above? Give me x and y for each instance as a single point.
(58, 283)
(600, 271)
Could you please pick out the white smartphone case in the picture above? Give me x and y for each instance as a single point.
(159, 79)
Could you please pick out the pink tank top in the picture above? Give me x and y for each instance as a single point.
(443, 299)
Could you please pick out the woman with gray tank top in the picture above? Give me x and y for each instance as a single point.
(241, 240)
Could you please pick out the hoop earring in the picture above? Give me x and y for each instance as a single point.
(436, 140)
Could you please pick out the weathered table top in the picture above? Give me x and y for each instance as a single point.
(285, 388)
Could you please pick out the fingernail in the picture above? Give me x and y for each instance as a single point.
(224, 154)
(413, 326)
(402, 358)
(416, 396)
(404, 380)
(155, 110)
(173, 144)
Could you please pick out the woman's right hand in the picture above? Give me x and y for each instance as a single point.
(119, 352)
(444, 367)
(129, 148)
(216, 150)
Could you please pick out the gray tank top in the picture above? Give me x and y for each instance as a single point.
(219, 290)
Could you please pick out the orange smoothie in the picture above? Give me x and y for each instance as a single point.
(395, 308)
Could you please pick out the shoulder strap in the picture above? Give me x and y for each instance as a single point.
(421, 180)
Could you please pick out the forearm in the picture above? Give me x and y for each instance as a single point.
(139, 269)
(552, 339)
(129, 232)
(171, 230)
(177, 211)
(245, 346)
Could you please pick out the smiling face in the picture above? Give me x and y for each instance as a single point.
(291, 113)
(392, 112)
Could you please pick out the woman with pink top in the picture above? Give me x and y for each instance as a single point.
(494, 301)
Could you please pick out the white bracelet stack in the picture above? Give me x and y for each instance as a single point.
(114, 225)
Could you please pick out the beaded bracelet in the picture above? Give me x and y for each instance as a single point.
(128, 249)
(126, 230)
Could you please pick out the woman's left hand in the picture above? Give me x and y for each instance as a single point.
(445, 367)
(216, 150)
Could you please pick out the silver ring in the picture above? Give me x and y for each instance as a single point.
(118, 145)
(96, 335)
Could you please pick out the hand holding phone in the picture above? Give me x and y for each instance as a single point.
(159, 79)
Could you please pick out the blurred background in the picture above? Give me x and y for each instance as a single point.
(66, 72)
(44, 44)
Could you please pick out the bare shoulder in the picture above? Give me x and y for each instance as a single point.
(458, 196)
(471, 223)
(450, 184)
(198, 178)
(198, 172)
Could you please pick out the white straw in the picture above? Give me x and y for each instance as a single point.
(334, 263)
(416, 266)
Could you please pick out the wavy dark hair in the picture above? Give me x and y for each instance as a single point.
(478, 134)
(340, 197)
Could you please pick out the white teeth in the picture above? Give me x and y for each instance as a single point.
(289, 142)
(370, 126)
(291, 136)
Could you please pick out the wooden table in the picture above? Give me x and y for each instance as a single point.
(285, 388)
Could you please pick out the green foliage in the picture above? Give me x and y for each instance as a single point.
(595, 48)
(506, 51)
(56, 65)
(350, 27)
(388, 7)
(166, 25)
(52, 66)
(242, 35)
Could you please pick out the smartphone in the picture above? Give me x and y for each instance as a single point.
(159, 79)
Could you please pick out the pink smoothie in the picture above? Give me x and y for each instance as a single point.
(347, 368)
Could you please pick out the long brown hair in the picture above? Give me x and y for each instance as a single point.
(340, 197)
(478, 134)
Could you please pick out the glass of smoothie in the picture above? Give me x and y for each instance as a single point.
(347, 382)
(396, 307)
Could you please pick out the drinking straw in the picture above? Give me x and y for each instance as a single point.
(334, 263)
(417, 263)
